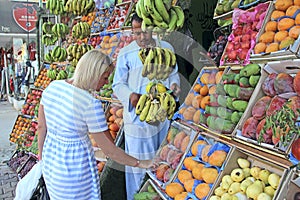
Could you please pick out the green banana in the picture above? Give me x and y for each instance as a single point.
(147, 62)
(165, 101)
(89, 5)
(155, 14)
(145, 110)
(141, 104)
(159, 5)
(167, 60)
(172, 107)
(147, 5)
(138, 9)
(173, 21)
(180, 16)
(162, 25)
(159, 63)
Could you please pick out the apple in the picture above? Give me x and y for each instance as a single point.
(245, 45)
(28, 101)
(232, 55)
(246, 38)
(296, 149)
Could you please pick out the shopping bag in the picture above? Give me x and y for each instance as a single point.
(40, 192)
(28, 184)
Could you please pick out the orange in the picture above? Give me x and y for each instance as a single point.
(196, 172)
(184, 175)
(189, 163)
(204, 90)
(189, 184)
(194, 148)
(205, 78)
(197, 87)
(205, 100)
(174, 189)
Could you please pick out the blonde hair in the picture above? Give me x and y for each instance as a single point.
(89, 69)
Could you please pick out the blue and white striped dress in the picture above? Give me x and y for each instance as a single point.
(69, 165)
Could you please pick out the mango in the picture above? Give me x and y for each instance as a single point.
(283, 5)
(230, 89)
(267, 37)
(272, 47)
(285, 23)
(253, 80)
(294, 32)
(240, 105)
(280, 35)
(286, 42)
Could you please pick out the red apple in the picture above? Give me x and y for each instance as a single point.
(243, 54)
(230, 46)
(232, 55)
(237, 45)
(245, 45)
(246, 38)
(296, 149)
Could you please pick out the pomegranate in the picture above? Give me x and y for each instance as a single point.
(296, 149)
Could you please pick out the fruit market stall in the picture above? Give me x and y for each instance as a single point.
(235, 135)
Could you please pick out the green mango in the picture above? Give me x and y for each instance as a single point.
(224, 113)
(244, 82)
(222, 100)
(220, 89)
(249, 70)
(253, 80)
(219, 10)
(236, 116)
(231, 89)
(229, 103)
(240, 105)
(235, 4)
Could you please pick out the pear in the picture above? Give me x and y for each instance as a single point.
(226, 182)
(241, 196)
(274, 180)
(263, 175)
(234, 188)
(264, 196)
(243, 163)
(254, 171)
(254, 190)
(214, 197)
(226, 196)
(269, 190)
(244, 184)
(246, 172)
(237, 175)
(219, 191)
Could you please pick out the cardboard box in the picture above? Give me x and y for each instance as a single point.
(290, 53)
(173, 162)
(144, 188)
(287, 66)
(291, 186)
(255, 161)
(215, 145)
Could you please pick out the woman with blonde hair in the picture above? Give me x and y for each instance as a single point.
(67, 113)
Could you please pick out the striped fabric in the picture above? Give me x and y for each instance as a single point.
(69, 166)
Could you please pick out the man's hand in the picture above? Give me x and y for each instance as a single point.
(134, 98)
(175, 88)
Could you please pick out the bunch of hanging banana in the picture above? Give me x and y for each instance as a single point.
(158, 63)
(47, 27)
(80, 7)
(60, 30)
(81, 30)
(75, 51)
(160, 108)
(156, 105)
(55, 7)
(49, 39)
(160, 15)
(56, 74)
(58, 54)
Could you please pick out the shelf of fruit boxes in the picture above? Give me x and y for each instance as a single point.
(23, 131)
(289, 68)
(31, 104)
(290, 52)
(155, 190)
(255, 165)
(245, 30)
(125, 5)
(171, 152)
(203, 162)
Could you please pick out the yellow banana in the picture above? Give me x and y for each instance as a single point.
(159, 5)
(172, 106)
(145, 110)
(141, 104)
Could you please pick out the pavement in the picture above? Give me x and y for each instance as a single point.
(8, 178)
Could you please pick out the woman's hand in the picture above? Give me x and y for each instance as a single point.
(146, 164)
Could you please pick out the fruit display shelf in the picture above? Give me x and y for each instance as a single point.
(151, 191)
(224, 9)
(200, 168)
(118, 16)
(171, 153)
(246, 170)
(270, 97)
(246, 4)
(274, 44)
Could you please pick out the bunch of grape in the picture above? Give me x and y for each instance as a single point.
(216, 49)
